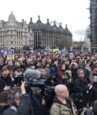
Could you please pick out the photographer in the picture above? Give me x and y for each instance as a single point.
(19, 103)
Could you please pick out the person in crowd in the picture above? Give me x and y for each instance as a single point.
(3, 101)
(20, 103)
(18, 76)
(69, 81)
(62, 105)
(74, 68)
(61, 73)
(80, 88)
(95, 108)
(39, 102)
(5, 79)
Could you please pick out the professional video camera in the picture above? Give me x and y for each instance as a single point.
(33, 77)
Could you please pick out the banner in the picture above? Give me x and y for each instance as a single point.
(10, 55)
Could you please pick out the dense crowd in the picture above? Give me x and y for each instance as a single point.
(48, 83)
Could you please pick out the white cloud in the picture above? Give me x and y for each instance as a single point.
(71, 12)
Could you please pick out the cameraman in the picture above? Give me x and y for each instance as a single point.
(20, 103)
(35, 86)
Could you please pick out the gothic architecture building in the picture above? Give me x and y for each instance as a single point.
(87, 43)
(93, 23)
(49, 36)
(14, 34)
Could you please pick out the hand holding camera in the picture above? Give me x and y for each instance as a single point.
(6, 88)
(23, 90)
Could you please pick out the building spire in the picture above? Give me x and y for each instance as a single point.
(11, 17)
(39, 20)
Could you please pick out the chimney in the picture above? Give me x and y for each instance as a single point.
(38, 18)
(54, 23)
(60, 25)
(31, 20)
(48, 21)
(66, 26)
(39, 21)
(22, 20)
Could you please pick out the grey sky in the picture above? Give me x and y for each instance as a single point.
(71, 12)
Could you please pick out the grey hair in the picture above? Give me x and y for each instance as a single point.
(59, 89)
(78, 71)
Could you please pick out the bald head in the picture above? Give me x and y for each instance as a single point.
(61, 91)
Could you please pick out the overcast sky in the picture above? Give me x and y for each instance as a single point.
(71, 12)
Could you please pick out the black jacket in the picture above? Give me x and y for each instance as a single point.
(80, 85)
(23, 109)
(80, 88)
(5, 81)
(38, 108)
(2, 84)
(2, 109)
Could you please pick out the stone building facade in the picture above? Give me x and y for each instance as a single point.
(14, 34)
(87, 43)
(93, 23)
(49, 36)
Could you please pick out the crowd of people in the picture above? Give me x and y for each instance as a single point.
(56, 83)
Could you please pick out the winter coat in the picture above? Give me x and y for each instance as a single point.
(58, 108)
(23, 109)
